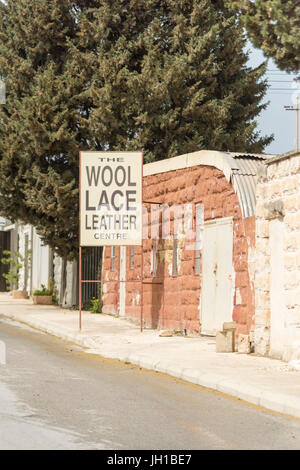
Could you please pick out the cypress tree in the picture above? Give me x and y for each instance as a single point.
(39, 138)
(170, 78)
(197, 91)
(274, 26)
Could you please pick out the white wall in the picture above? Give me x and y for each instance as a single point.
(65, 281)
(277, 276)
(39, 267)
(40, 263)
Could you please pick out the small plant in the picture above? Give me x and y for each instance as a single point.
(45, 296)
(96, 305)
(16, 262)
(43, 291)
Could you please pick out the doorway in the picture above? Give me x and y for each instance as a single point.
(4, 268)
(217, 298)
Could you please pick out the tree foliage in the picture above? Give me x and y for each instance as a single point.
(274, 26)
(168, 78)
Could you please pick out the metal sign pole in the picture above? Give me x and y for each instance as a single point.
(80, 288)
(142, 288)
(80, 253)
(142, 251)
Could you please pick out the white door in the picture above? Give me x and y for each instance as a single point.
(278, 330)
(122, 279)
(216, 295)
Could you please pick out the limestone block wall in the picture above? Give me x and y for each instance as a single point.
(277, 261)
(65, 281)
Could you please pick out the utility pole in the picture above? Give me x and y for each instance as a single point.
(292, 108)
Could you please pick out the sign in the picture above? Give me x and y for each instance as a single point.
(110, 198)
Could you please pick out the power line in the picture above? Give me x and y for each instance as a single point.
(283, 74)
(278, 71)
(292, 90)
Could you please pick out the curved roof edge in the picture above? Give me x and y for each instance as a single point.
(239, 169)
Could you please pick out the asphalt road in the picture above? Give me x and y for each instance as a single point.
(55, 396)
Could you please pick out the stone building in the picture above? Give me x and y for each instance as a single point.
(43, 266)
(277, 280)
(191, 289)
(37, 268)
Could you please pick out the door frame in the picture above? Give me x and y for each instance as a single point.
(214, 222)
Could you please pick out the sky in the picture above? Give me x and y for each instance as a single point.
(275, 119)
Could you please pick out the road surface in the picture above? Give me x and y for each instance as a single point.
(53, 395)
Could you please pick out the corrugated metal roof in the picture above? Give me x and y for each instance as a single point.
(243, 176)
(239, 168)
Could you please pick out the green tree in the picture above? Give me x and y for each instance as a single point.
(274, 26)
(168, 78)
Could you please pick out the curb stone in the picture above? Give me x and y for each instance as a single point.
(273, 401)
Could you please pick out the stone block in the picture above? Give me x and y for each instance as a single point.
(225, 341)
(262, 228)
(244, 344)
(262, 173)
(252, 336)
(19, 294)
(229, 325)
(165, 333)
(274, 209)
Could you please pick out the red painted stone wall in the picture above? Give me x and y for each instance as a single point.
(175, 302)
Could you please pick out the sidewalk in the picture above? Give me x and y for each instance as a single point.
(258, 380)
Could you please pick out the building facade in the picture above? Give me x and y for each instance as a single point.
(277, 280)
(37, 269)
(191, 289)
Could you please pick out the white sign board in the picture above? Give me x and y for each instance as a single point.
(110, 198)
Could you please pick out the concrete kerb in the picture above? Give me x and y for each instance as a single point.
(270, 400)
(61, 333)
(191, 375)
(278, 402)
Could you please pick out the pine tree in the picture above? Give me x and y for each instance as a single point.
(274, 26)
(111, 74)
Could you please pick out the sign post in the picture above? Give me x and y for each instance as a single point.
(110, 204)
